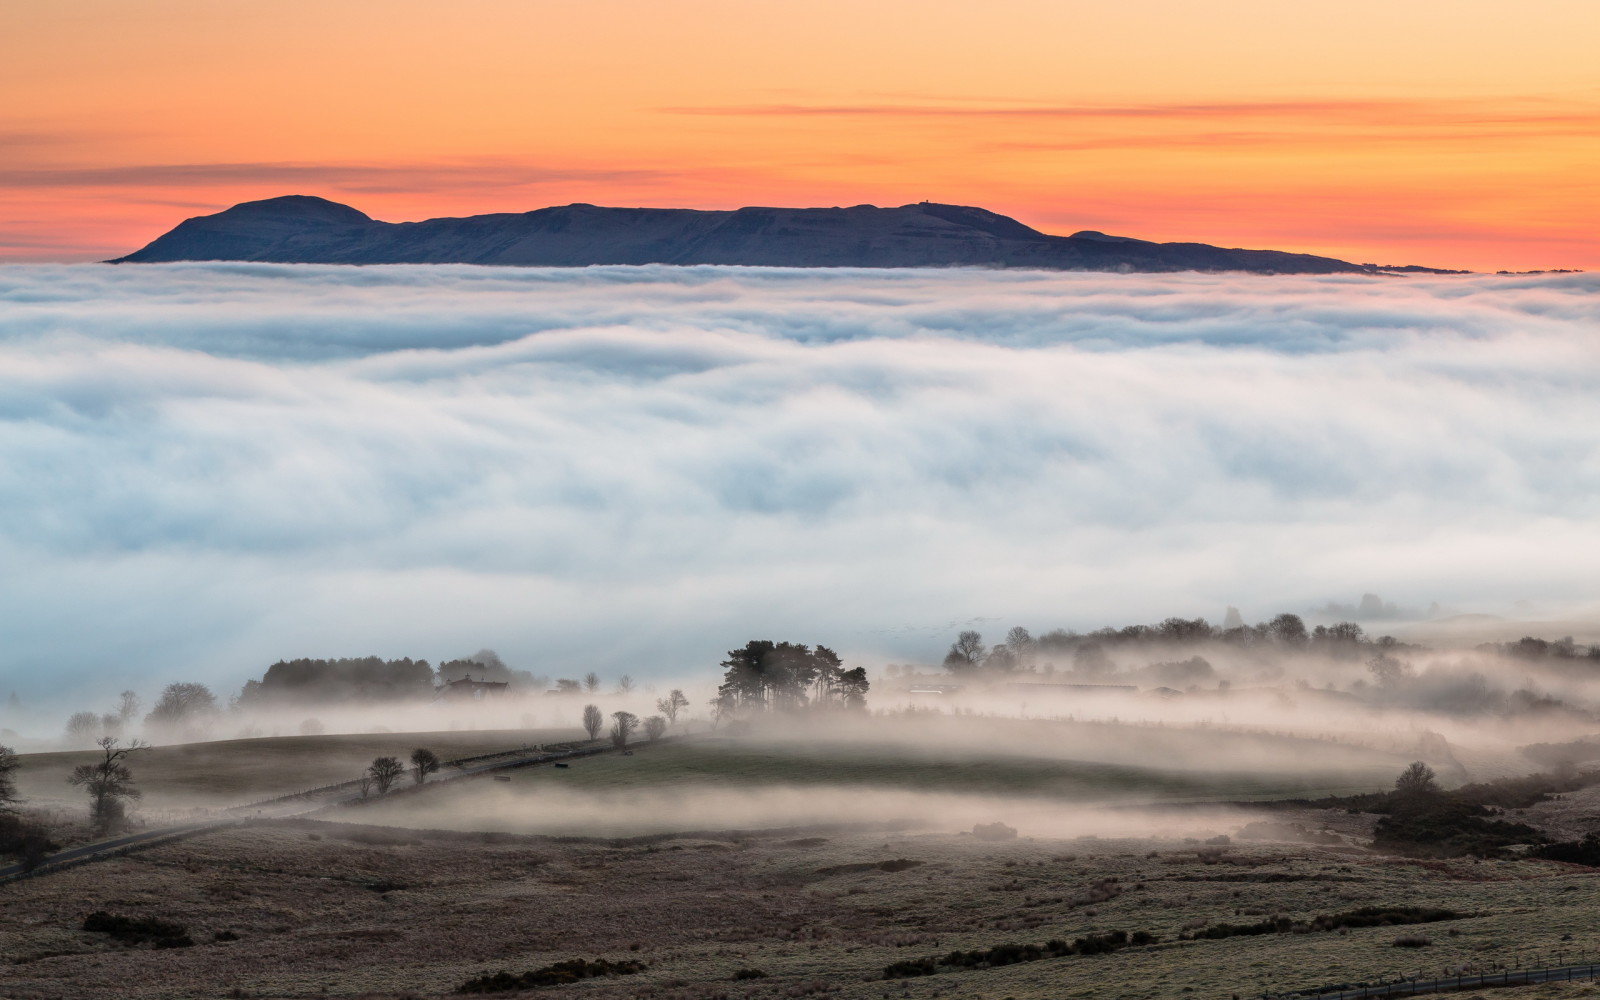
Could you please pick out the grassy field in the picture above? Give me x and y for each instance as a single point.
(751, 762)
(228, 772)
(321, 909)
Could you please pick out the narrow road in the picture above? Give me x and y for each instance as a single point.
(284, 807)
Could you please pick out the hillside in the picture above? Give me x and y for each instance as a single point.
(305, 230)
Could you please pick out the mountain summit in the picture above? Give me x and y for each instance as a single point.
(298, 229)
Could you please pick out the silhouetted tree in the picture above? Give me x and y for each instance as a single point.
(1416, 780)
(966, 652)
(365, 783)
(1289, 630)
(8, 777)
(83, 728)
(591, 682)
(568, 686)
(1387, 670)
(655, 727)
(593, 720)
(182, 709)
(108, 782)
(625, 685)
(623, 725)
(384, 771)
(1020, 642)
(423, 763)
(127, 706)
(825, 686)
(853, 687)
(671, 705)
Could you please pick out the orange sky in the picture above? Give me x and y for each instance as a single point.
(1456, 134)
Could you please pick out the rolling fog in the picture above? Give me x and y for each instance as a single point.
(206, 468)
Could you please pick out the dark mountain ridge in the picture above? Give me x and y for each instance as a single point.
(299, 229)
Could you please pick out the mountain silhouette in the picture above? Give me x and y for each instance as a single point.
(301, 229)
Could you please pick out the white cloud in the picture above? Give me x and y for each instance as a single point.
(206, 467)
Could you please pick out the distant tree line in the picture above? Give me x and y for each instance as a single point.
(373, 679)
(1531, 648)
(1089, 652)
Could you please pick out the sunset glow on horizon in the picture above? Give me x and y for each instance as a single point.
(1462, 135)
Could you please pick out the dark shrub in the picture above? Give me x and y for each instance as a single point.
(138, 930)
(909, 968)
(1578, 852)
(559, 974)
(749, 974)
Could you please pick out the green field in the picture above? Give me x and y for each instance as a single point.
(231, 772)
(745, 762)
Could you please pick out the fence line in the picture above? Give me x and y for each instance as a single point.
(1416, 987)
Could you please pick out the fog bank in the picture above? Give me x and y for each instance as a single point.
(206, 468)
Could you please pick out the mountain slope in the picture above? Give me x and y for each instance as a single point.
(305, 230)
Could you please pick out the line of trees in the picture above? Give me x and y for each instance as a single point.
(1088, 653)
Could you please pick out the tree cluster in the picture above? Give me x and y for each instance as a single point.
(764, 676)
(367, 678)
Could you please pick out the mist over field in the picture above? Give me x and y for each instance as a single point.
(205, 468)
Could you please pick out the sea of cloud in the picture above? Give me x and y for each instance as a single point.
(207, 467)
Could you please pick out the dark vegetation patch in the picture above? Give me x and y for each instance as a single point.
(749, 974)
(559, 974)
(805, 842)
(994, 831)
(139, 930)
(897, 865)
(377, 836)
(1464, 821)
(1577, 852)
(1366, 916)
(27, 841)
(1013, 954)
(1263, 877)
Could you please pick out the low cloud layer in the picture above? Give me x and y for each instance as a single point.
(204, 468)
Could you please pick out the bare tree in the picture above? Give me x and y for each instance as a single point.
(965, 653)
(108, 782)
(83, 728)
(1417, 779)
(671, 705)
(592, 721)
(591, 682)
(8, 777)
(1021, 643)
(182, 710)
(623, 725)
(423, 763)
(127, 706)
(655, 727)
(365, 784)
(384, 771)
(625, 685)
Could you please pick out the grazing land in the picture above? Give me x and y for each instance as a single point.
(232, 772)
(300, 908)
